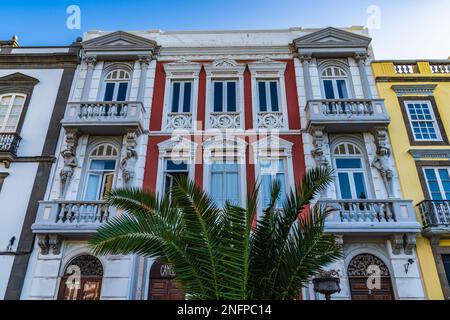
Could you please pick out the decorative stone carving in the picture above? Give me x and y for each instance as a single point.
(270, 120)
(397, 243)
(179, 120)
(318, 152)
(90, 60)
(87, 264)
(70, 160)
(382, 161)
(225, 120)
(128, 163)
(144, 60)
(49, 243)
(360, 266)
(361, 57)
(410, 243)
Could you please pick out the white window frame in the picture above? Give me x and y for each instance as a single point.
(433, 116)
(9, 109)
(334, 79)
(116, 83)
(181, 71)
(269, 95)
(181, 98)
(273, 173)
(223, 70)
(439, 180)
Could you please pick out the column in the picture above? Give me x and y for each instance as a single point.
(90, 61)
(306, 61)
(144, 62)
(361, 61)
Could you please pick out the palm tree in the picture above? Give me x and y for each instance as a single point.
(219, 253)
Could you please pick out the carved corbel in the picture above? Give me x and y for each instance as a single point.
(319, 147)
(410, 243)
(49, 243)
(361, 57)
(70, 160)
(90, 61)
(144, 60)
(128, 162)
(397, 243)
(43, 243)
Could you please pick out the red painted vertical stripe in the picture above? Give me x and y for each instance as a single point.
(158, 98)
(201, 105)
(248, 108)
(292, 97)
(151, 163)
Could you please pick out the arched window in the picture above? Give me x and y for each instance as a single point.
(11, 106)
(82, 279)
(369, 278)
(116, 85)
(349, 165)
(102, 166)
(334, 81)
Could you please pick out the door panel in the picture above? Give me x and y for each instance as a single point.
(359, 290)
(165, 289)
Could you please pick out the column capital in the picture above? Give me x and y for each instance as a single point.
(90, 60)
(305, 57)
(361, 57)
(144, 60)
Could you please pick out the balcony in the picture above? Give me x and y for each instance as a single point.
(347, 115)
(101, 117)
(435, 217)
(367, 216)
(9, 143)
(71, 218)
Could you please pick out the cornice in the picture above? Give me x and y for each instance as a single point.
(430, 153)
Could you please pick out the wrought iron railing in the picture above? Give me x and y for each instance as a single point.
(9, 142)
(434, 213)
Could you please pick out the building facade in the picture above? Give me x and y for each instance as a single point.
(34, 88)
(345, 127)
(417, 98)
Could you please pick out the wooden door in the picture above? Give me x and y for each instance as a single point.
(89, 288)
(359, 290)
(165, 289)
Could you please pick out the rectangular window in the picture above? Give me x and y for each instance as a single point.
(225, 96)
(173, 170)
(271, 171)
(11, 106)
(122, 93)
(225, 183)
(115, 91)
(328, 88)
(268, 96)
(438, 181)
(100, 179)
(422, 121)
(109, 91)
(446, 263)
(342, 89)
(181, 96)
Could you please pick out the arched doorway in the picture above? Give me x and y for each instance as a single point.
(82, 279)
(162, 284)
(364, 283)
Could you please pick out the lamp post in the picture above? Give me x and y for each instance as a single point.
(327, 283)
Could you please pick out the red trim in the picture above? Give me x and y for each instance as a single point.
(201, 105)
(248, 106)
(158, 98)
(151, 163)
(292, 97)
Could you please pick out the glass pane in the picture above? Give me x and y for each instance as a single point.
(266, 187)
(168, 184)
(274, 96)
(328, 88)
(344, 185)
(360, 186)
(218, 96)
(92, 187)
(109, 92)
(175, 96)
(122, 93)
(282, 181)
(187, 97)
(103, 165)
(348, 163)
(108, 184)
(446, 262)
(176, 165)
(342, 89)
(231, 96)
(232, 186)
(262, 96)
(217, 188)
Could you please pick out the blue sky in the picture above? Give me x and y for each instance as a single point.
(407, 28)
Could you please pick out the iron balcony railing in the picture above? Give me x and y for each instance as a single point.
(9, 143)
(435, 213)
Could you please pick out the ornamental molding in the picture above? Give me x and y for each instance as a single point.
(224, 146)
(272, 145)
(182, 68)
(430, 153)
(267, 67)
(414, 89)
(225, 66)
(17, 79)
(177, 145)
(363, 264)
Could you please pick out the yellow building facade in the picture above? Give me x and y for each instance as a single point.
(417, 98)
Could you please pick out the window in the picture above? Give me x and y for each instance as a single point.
(334, 81)
(101, 172)
(11, 106)
(348, 161)
(422, 120)
(116, 85)
(181, 96)
(446, 263)
(268, 96)
(438, 181)
(225, 96)
(173, 169)
(273, 170)
(225, 182)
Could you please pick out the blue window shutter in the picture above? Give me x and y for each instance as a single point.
(231, 96)
(344, 184)
(342, 89)
(122, 93)
(109, 92)
(218, 96)
(176, 96)
(262, 96)
(328, 88)
(187, 97)
(274, 96)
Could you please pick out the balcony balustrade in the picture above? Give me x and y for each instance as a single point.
(435, 216)
(104, 117)
(71, 218)
(9, 143)
(409, 68)
(440, 68)
(370, 216)
(345, 115)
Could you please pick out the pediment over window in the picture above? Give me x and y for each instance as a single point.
(331, 39)
(18, 79)
(273, 146)
(120, 41)
(224, 66)
(177, 146)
